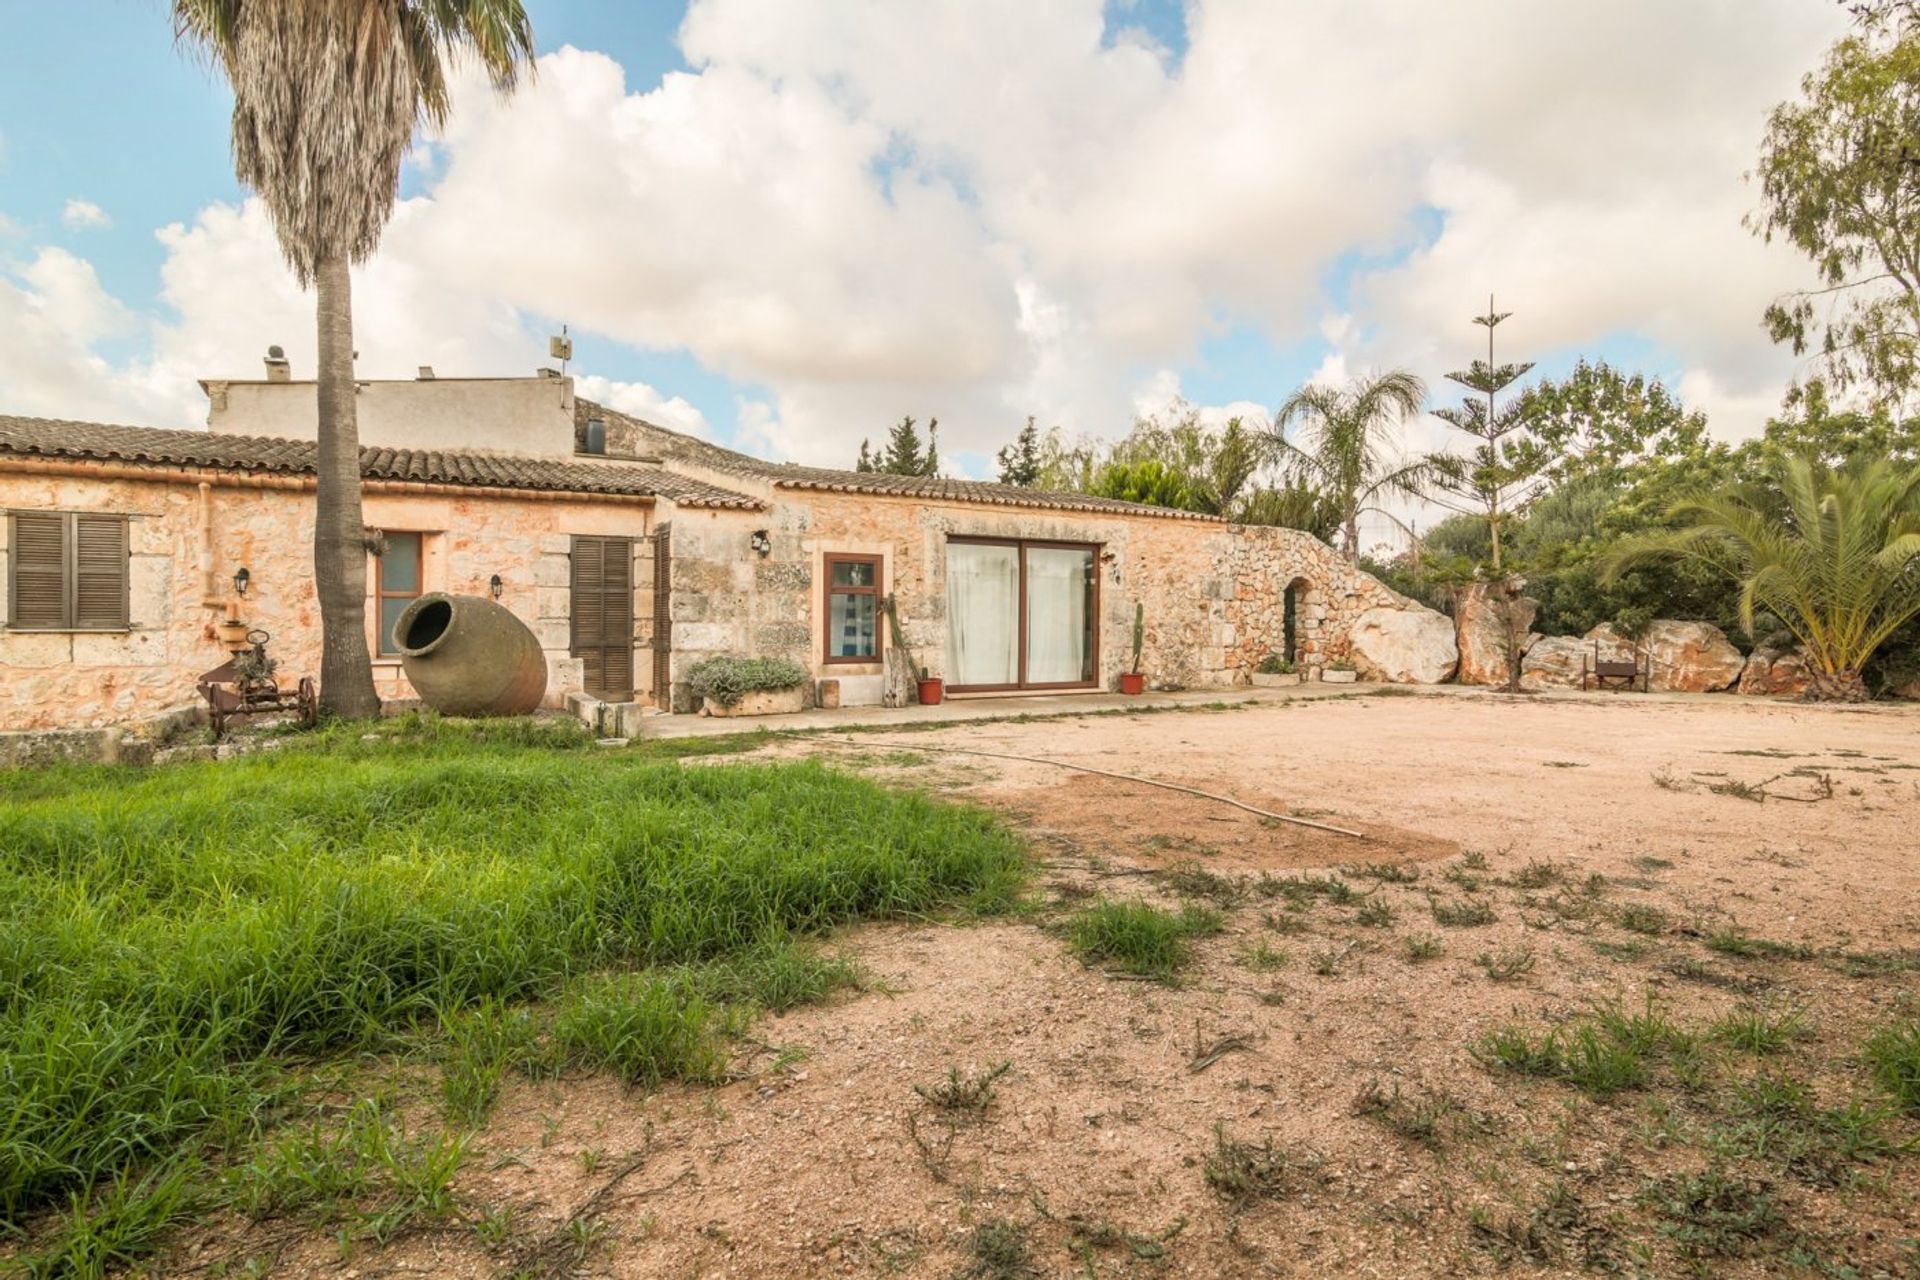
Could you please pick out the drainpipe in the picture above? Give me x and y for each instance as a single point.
(209, 595)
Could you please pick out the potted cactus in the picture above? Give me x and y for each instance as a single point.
(1133, 681)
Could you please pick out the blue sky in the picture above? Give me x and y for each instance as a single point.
(1242, 241)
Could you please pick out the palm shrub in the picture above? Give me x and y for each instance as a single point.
(1833, 552)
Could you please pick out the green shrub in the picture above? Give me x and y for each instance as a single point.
(726, 679)
(1274, 665)
(1895, 1056)
(1140, 938)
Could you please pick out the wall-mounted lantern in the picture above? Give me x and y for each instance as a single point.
(240, 580)
(762, 544)
(495, 586)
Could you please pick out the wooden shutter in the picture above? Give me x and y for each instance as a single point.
(589, 558)
(100, 573)
(39, 572)
(663, 619)
(602, 609)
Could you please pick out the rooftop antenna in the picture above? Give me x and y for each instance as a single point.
(561, 348)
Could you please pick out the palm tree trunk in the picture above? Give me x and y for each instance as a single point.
(1352, 534)
(339, 531)
(1836, 686)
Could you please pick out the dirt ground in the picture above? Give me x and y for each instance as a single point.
(1777, 846)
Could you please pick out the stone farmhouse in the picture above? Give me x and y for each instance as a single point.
(633, 552)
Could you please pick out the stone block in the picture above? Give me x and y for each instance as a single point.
(552, 602)
(552, 571)
(624, 719)
(827, 694)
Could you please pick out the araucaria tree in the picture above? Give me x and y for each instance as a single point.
(1339, 446)
(1507, 465)
(1839, 178)
(905, 454)
(1833, 552)
(327, 97)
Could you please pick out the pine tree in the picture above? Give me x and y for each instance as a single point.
(1508, 464)
(1020, 461)
(904, 454)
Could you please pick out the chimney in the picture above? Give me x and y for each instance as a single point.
(426, 373)
(278, 370)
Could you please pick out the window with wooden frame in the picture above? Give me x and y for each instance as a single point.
(396, 584)
(67, 571)
(853, 608)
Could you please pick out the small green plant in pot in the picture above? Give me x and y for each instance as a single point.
(1133, 681)
(1275, 670)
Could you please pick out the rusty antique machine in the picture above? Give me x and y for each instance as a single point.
(244, 685)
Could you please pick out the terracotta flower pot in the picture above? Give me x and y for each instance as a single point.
(932, 691)
(1133, 683)
(232, 634)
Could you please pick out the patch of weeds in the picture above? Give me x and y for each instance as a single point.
(999, 1249)
(969, 1093)
(1599, 1065)
(1085, 1238)
(1430, 1119)
(1715, 1213)
(1560, 1226)
(1877, 964)
(1538, 875)
(1647, 862)
(1326, 963)
(1665, 779)
(1473, 860)
(1638, 917)
(1732, 940)
(1262, 958)
(1384, 872)
(1291, 922)
(1244, 1173)
(641, 1026)
(480, 1043)
(1461, 913)
(1375, 913)
(1421, 947)
(1603, 1054)
(1508, 964)
(1304, 890)
(1894, 1055)
(1775, 1118)
(1739, 790)
(1139, 938)
(1752, 1029)
(1694, 969)
(1630, 950)
(1564, 764)
(1191, 880)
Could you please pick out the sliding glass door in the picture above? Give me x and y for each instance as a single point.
(1022, 615)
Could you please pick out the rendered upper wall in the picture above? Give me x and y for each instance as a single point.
(532, 416)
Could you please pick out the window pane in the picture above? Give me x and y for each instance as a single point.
(851, 626)
(853, 573)
(1059, 616)
(390, 611)
(400, 566)
(983, 613)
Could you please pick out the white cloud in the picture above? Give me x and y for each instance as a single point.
(980, 209)
(644, 402)
(84, 215)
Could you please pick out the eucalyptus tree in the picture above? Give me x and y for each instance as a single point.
(327, 98)
(1337, 441)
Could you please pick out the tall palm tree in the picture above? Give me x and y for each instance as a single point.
(327, 96)
(1834, 553)
(1341, 445)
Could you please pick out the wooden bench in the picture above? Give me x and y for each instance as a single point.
(1598, 673)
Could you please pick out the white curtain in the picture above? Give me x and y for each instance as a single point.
(1058, 582)
(983, 614)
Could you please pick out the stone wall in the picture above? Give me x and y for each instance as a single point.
(1213, 593)
(74, 680)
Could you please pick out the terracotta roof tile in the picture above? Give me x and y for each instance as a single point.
(674, 446)
(60, 438)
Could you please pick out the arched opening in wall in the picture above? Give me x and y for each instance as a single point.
(1291, 615)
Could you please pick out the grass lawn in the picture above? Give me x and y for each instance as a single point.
(190, 955)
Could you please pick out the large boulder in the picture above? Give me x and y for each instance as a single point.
(1555, 662)
(1775, 674)
(1404, 646)
(1492, 626)
(1686, 657)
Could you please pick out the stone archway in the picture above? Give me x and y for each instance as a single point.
(1300, 615)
